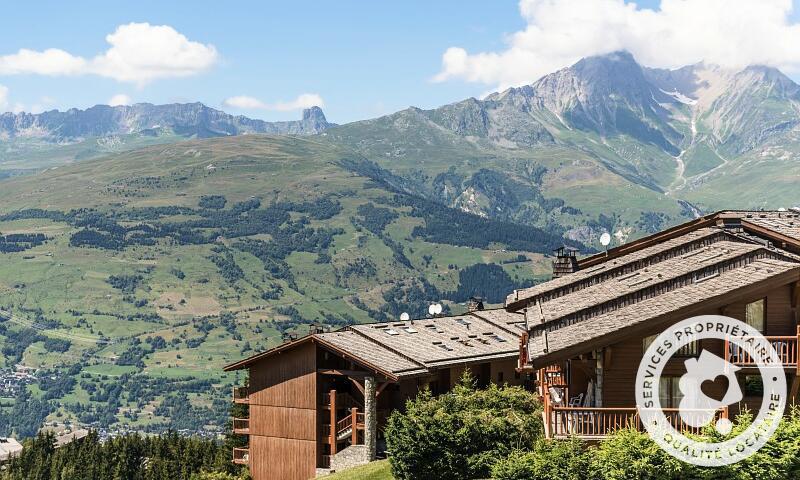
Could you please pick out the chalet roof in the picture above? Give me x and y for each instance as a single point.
(658, 276)
(673, 302)
(417, 347)
(365, 349)
(616, 267)
(783, 223)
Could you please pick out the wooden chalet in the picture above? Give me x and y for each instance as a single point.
(586, 331)
(321, 402)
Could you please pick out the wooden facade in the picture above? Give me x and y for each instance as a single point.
(620, 361)
(724, 264)
(283, 415)
(301, 399)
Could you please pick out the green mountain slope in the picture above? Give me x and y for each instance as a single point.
(166, 263)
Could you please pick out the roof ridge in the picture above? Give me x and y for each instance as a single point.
(663, 286)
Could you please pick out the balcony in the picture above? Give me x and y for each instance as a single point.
(241, 456)
(241, 395)
(241, 426)
(786, 347)
(598, 423)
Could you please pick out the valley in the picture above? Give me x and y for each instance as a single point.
(143, 254)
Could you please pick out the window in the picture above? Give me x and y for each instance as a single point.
(755, 314)
(753, 385)
(688, 350)
(669, 392)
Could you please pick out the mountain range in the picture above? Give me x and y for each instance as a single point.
(29, 142)
(155, 244)
(651, 146)
(189, 119)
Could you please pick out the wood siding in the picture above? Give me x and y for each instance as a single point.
(283, 416)
(274, 458)
(623, 357)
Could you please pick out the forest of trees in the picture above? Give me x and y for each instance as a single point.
(129, 457)
(19, 242)
(487, 281)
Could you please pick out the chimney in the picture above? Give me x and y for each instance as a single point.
(475, 304)
(730, 221)
(565, 263)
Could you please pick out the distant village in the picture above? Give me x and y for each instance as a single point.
(14, 379)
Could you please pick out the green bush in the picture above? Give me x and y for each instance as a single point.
(549, 460)
(461, 434)
(631, 454)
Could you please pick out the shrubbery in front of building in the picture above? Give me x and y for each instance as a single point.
(630, 454)
(497, 433)
(461, 434)
(549, 460)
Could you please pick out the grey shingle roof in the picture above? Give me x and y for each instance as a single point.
(411, 348)
(370, 352)
(433, 342)
(651, 308)
(785, 223)
(612, 289)
(619, 266)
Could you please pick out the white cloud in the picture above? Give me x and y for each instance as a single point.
(44, 103)
(244, 102)
(47, 62)
(139, 53)
(731, 33)
(119, 99)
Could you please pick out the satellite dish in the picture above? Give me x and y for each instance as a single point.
(431, 309)
(605, 239)
(404, 316)
(437, 308)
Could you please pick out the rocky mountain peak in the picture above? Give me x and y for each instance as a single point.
(314, 114)
(314, 120)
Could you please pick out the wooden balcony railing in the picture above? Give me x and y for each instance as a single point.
(786, 347)
(241, 395)
(349, 426)
(597, 423)
(241, 456)
(241, 426)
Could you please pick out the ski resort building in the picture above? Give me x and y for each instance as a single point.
(586, 331)
(321, 401)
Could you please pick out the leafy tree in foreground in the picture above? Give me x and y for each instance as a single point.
(460, 435)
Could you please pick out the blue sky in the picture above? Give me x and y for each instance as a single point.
(364, 58)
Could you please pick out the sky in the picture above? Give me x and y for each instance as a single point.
(357, 59)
